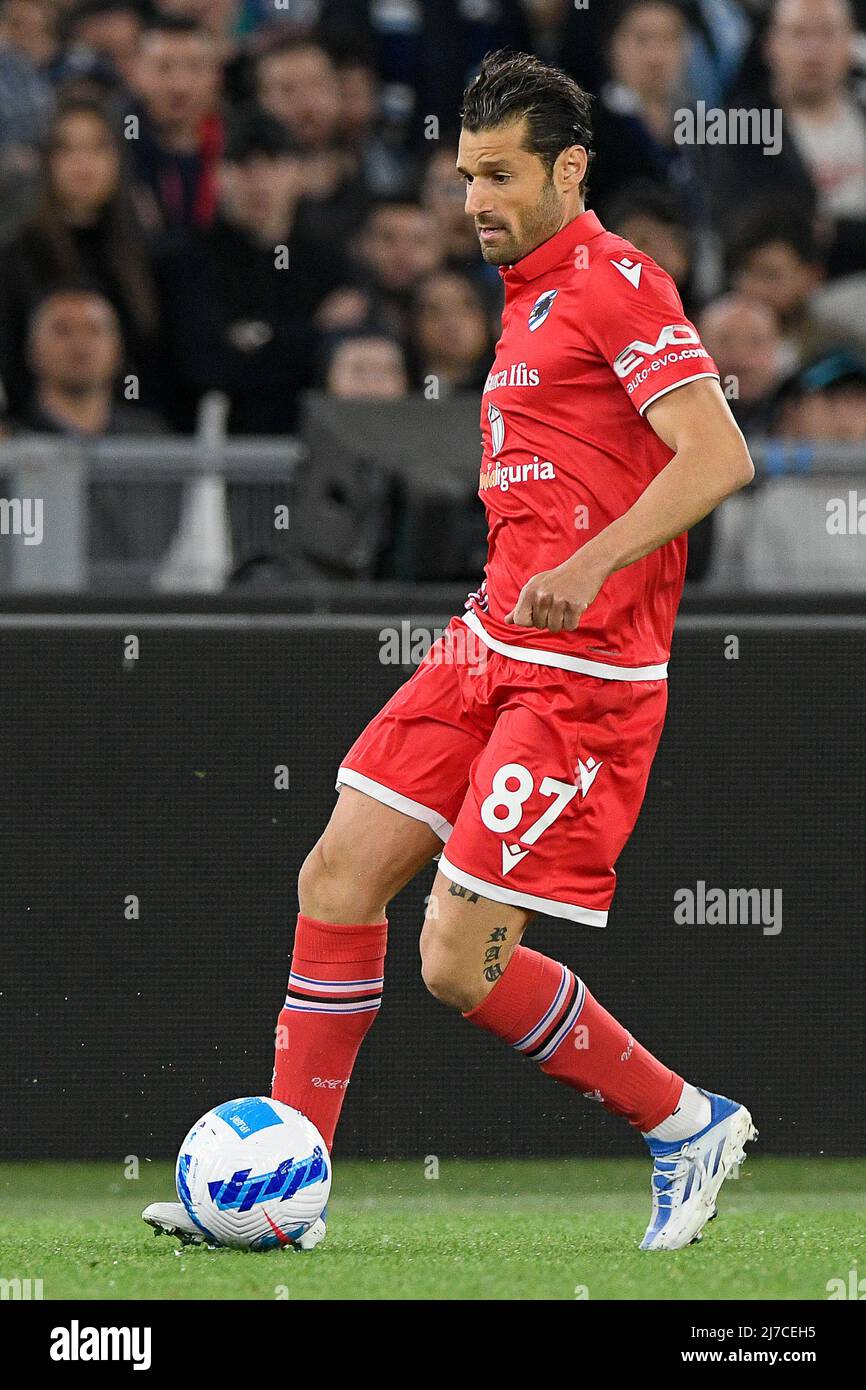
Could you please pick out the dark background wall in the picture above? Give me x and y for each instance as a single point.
(156, 777)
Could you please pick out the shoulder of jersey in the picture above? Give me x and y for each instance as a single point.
(617, 262)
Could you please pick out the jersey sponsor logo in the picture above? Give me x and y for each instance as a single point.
(669, 360)
(505, 475)
(636, 353)
(630, 269)
(518, 374)
(541, 308)
(497, 428)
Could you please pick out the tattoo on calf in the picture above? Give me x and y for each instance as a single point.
(492, 970)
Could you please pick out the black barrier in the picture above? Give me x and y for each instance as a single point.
(154, 776)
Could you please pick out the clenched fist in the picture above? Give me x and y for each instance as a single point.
(555, 599)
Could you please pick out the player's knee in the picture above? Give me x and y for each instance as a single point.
(445, 974)
(330, 885)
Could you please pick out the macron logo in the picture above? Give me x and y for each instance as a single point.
(587, 771)
(630, 269)
(511, 855)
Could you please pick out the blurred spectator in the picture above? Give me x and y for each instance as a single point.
(634, 116)
(395, 247)
(575, 38)
(776, 260)
(76, 350)
(722, 31)
(36, 30)
(426, 52)
(25, 97)
(826, 401)
(569, 37)
(110, 29)
(449, 337)
(366, 367)
(177, 79)
(636, 126)
(839, 308)
(443, 195)
(382, 163)
(297, 83)
(83, 227)
(820, 170)
(653, 220)
(742, 336)
(222, 19)
(31, 28)
(239, 297)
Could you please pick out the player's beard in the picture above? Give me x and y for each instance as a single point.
(535, 225)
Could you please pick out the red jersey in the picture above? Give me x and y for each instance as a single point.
(593, 332)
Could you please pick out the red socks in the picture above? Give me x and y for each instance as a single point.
(335, 989)
(538, 1006)
(549, 1015)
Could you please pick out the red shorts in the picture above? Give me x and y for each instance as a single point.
(533, 776)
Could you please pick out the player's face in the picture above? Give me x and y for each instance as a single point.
(515, 203)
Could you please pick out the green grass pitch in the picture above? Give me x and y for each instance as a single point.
(481, 1230)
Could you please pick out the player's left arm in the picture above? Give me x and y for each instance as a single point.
(710, 462)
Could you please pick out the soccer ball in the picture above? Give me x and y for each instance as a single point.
(253, 1174)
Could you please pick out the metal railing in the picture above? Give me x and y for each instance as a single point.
(226, 493)
(227, 490)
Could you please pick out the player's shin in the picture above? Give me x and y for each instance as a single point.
(546, 1012)
(335, 988)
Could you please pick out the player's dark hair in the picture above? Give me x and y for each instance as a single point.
(511, 86)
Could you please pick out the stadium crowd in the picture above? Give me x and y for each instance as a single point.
(259, 197)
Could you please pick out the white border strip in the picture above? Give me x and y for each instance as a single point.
(349, 778)
(538, 656)
(591, 916)
(658, 395)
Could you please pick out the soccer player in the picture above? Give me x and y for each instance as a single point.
(520, 749)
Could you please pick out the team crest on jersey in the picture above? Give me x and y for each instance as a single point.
(497, 428)
(541, 308)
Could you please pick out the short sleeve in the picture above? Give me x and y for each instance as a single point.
(635, 319)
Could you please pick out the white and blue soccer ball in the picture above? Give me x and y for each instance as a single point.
(253, 1174)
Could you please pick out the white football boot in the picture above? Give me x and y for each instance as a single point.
(172, 1219)
(688, 1173)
